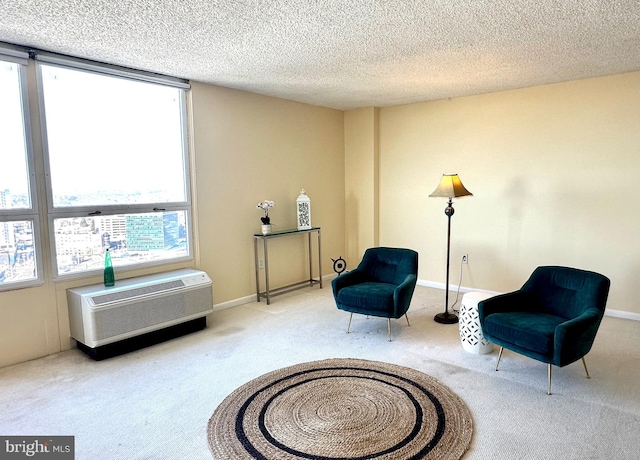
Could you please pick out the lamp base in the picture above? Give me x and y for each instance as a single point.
(445, 318)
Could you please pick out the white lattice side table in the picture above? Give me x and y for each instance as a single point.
(471, 335)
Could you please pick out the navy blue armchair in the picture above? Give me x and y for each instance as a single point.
(382, 285)
(553, 318)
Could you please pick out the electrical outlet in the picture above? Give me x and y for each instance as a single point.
(261, 263)
(465, 258)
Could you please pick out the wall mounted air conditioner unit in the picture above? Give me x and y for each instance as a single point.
(136, 312)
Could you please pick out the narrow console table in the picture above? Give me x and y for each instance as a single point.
(268, 292)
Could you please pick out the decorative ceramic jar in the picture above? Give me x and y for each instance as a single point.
(303, 204)
(471, 336)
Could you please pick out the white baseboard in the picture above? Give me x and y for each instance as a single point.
(326, 279)
(622, 314)
(431, 284)
(454, 288)
(608, 312)
(234, 302)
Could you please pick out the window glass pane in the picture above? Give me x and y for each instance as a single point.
(14, 176)
(17, 252)
(131, 239)
(111, 140)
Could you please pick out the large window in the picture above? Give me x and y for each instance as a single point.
(19, 230)
(116, 167)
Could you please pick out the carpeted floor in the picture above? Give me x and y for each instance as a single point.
(155, 403)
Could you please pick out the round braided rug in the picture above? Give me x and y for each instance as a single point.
(341, 409)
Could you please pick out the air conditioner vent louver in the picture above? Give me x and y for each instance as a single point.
(99, 316)
(136, 292)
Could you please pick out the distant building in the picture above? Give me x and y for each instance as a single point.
(5, 196)
(115, 226)
(152, 232)
(7, 233)
(171, 229)
(145, 232)
(82, 244)
(7, 242)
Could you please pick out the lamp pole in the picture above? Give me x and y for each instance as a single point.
(446, 317)
(449, 187)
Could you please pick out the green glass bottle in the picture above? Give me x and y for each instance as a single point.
(109, 277)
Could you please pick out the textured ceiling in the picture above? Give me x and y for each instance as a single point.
(342, 54)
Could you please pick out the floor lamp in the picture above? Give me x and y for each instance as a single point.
(450, 187)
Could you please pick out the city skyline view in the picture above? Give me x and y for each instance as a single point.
(80, 242)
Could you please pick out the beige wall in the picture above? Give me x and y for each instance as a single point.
(361, 150)
(554, 172)
(249, 148)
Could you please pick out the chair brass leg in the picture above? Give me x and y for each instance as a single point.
(349, 326)
(499, 356)
(549, 384)
(389, 328)
(405, 315)
(584, 363)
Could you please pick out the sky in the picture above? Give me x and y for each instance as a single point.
(104, 134)
(13, 167)
(111, 134)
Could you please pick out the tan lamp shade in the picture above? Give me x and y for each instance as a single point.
(450, 186)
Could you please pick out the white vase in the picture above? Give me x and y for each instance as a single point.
(266, 229)
(303, 204)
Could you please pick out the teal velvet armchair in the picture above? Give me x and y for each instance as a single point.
(553, 318)
(382, 285)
